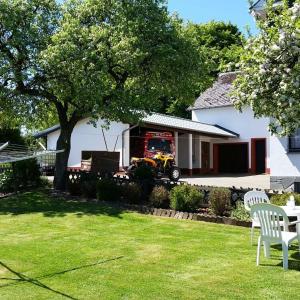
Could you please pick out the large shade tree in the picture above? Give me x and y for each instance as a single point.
(270, 69)
(112, 59)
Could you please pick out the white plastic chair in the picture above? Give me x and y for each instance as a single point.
(251, 198)
(270, 216)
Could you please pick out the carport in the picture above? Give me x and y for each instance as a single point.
(193, 140)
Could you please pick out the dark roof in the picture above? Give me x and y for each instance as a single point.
(218, 94)
(46, 131)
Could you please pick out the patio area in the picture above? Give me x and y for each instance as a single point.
(229, 180)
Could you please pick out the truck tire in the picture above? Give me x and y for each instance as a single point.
(174, 174)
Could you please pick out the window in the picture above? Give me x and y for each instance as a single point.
(160, 145)
(294, 142)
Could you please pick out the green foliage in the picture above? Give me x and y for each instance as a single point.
(159, 197)
(132, 192)
(186, 198)
(22, 174)
(6, 181)
(281, 199)
(144, 172)
(89, 188)
(108, 58)
(108, 190)
(240, 213)
(12, 135)
(269, 79)
(219, 200)
(220, 44)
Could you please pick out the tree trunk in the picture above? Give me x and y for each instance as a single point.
(61, 162)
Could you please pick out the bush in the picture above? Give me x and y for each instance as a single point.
(240, 213)
(132, 193)
(219, 200)
(27, 173)
(186, 198)
(144, 172)
(89, 188)
(108, 190)
(74, 188)
(281, 199)
(6, 181)
(159, 197)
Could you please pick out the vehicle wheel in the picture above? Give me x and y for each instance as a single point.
(174, 174)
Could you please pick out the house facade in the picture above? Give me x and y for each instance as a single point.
(263, 152)
(125, 139)
(218, 140)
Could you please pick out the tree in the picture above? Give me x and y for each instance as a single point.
(270, 70)
(98, 58)
(220, 45)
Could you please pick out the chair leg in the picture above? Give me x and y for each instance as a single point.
(252, 233)
(285, 252)
(258, 250)
(267, 249)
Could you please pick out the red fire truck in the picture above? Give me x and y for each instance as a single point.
(155, 142)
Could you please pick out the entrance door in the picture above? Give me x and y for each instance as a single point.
(259, 156)
(205, 157)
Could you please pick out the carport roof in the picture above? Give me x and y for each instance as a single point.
(169, 122)
(188, 125)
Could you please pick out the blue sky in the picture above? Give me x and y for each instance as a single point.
(201, 11)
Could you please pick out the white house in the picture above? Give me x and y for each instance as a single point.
(125, 139)
(262, 152)
(218, 139)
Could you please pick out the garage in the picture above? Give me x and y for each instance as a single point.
(233, 158)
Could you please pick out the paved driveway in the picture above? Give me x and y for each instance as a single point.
(245, 181)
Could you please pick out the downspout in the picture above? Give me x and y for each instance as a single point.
(123, 134)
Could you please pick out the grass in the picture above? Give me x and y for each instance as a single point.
(52, 249)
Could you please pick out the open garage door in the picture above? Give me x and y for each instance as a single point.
(233, 158)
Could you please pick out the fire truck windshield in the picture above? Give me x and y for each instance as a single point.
(159, 145)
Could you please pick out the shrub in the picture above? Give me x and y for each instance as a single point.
(132, 192)
(219, 200)
(240, 213)
(74, 188)
(89, 188)
(6, 181)
(45, 182)
(27, 172)
(281, 199)
(144, 172)
(185, 198)
(159, 197)
(108, 190)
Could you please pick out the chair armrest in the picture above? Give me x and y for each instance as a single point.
(294, 222)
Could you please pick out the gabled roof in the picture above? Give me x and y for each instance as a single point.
(218, 94)
(170, 122)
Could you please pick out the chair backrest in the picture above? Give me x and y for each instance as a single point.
(269, 217)
(255, 197)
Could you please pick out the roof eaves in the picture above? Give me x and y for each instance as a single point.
(46, 131)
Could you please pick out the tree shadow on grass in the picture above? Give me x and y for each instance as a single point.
(21, 278)
(41, 202)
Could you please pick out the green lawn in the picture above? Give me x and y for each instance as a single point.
(51, 249)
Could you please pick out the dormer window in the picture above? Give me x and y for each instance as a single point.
(294, 142)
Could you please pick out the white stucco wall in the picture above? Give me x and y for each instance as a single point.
(86, 137)
(242, 123)
(283, 163)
